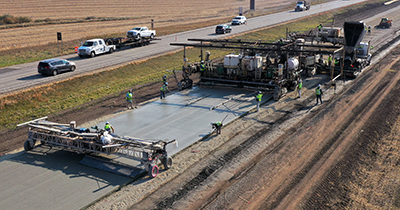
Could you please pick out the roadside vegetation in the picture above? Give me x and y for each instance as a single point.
(53, 98)
(9, 19)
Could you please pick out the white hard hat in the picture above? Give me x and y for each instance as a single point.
(166, 83)
(107, 123)
(259, 91)
(319, 85)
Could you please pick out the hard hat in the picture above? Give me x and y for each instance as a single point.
(107, 123)
(259, 91)
(202, 61)
(130, 90)
(166, 83)
(319, 85)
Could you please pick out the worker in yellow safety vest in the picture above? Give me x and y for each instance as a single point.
(330, 60)
(217, 126)
(299, 86)
(258, 99)
(164, 89)
(318, 93)
(108, 127)
(202, 68)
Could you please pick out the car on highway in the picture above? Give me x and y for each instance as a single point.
(55, 66)
(223, 29)
(239, 20)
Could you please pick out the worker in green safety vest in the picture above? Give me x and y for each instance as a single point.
(108, 127)
(258, 99)
(129, 101)
(319, 27)
(217, 126)
(299, 86)
(164, 89)
(318, 93)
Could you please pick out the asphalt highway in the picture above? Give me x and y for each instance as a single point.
(22, 76)
(50, 178)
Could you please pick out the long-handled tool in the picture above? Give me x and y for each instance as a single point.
(221, 123)
(134, 100)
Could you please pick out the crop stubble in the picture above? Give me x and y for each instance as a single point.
(164, 13)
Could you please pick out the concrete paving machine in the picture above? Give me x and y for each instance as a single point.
(261, 65)
(98, 141)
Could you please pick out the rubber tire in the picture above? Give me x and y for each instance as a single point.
(153, 170)
(72, 68)
(81, 56)
(27, 146)
(167, 162)
(152, 36)
(111, 50)
(92, 54)
(55, 72)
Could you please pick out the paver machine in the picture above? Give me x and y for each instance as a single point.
(98, 141)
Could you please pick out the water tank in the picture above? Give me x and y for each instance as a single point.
(293, 64)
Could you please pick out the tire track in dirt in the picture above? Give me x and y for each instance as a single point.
(336, 186)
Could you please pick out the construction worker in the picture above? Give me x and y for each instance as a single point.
(108, 127)
(202, 68)
(299, 86)
(129, 101)
(281, 41)
(330, 60)
(164, 89)
(258, 99)
(369, 28)
(318, 93)
(319, 27)
(217, 126)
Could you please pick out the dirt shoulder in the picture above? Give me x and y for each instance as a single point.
(307, 151)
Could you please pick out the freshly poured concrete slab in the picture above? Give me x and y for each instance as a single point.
(172, 117)
(51, 178)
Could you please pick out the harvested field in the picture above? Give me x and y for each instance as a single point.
(165, 13)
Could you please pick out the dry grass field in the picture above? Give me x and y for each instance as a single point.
(164, 12)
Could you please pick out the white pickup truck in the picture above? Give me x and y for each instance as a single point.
(95, 47)
(141, 32)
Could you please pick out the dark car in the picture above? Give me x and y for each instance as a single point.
(222, 29)
(55, 66)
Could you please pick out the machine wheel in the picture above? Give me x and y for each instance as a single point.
(54, 73)
(167, 162)
(27, 146)
(153, 170)
(111, 50)
(152, 36)
(81, 56)
(92, 54)
(73, 68)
